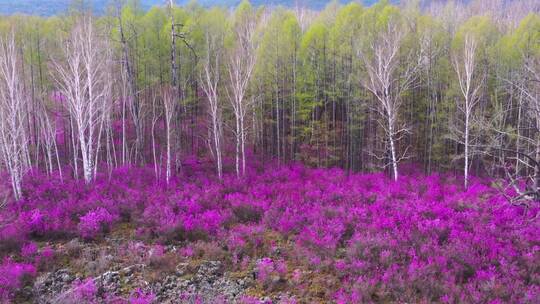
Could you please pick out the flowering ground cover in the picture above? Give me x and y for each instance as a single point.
(318, 235)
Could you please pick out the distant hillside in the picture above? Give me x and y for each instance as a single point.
(53, 7)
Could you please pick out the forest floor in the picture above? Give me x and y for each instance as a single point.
(286, 234)
(119, 265)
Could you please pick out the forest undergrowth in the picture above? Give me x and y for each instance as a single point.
(321, 235)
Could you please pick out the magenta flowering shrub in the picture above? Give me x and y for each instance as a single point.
(45, 256)
(243, 239)
(29, 251)
(83, 291)
(12, 277)
(95, 222)
(422, 239)
(252, 300)
(267, 267)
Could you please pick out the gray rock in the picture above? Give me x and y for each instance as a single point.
(109, 282)
(50, 284)
(181, 269)
(208, 283)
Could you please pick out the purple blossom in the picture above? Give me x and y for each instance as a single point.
(419, 240)
(12, 276)
(94, 222)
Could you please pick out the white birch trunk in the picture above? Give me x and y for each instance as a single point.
(83, 79)
(14, 132)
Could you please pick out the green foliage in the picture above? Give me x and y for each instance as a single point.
(280, 38)
(307, 67)
(524, 41)
(244, 11)
(347, 27)
(480, 28)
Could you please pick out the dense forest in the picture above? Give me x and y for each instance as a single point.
(359, 88)
(99, 7)
(100, 114)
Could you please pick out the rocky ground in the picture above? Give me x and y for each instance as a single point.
(208, 280)
(117, 267)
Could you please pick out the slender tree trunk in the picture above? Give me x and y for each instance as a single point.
(237, 154)
(243, 147)
(217, 146)
(518, 128)
(392, 148)
(174, 71)
(466, 166)
(536, 181)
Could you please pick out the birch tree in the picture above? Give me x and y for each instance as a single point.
(83, 81)
(470, 84)
(528, 85)
(14, 134)
(241, 61)
(530, 88)
(524, 55)
(210, 81)
(47, 135)
(168, 97)
(130, 91)
(387, 83)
